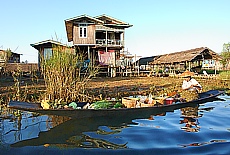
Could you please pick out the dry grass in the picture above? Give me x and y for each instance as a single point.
(62, 73)
(105, 87)
(125, 86)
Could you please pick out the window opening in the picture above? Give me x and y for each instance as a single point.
(83, 30)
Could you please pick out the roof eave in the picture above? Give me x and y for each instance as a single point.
(118, 20)
(82, 16)
(119, 25)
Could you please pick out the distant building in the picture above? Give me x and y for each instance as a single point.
(45, 48)
(144, 62)
(9, 57)
(193, 59)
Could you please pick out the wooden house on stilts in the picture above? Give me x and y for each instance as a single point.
(193, 59)
(101, 39)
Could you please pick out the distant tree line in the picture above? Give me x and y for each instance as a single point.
(225, 55)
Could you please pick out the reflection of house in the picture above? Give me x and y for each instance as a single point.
(190, 59)
(9, 57)
(101, 37)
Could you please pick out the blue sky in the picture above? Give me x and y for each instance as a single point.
(159, 26)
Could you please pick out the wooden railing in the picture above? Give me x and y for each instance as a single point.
(113, 42)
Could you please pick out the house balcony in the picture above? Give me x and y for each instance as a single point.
(109, 42)
(105, 28)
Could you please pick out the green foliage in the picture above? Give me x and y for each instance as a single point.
(118, 105)
(225, 54)
(8, 53)
(209, 71)
(225, 75)
(103, 104)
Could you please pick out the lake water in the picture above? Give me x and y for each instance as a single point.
(192, 130)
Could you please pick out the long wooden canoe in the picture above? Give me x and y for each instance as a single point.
(89, 113)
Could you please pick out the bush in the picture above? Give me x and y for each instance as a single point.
(224, 75)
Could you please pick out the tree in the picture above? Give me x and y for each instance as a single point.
(8, 54)
(225, 55)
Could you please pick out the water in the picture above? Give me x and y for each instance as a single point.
(192, 130)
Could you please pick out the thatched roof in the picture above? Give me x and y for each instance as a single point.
(188, 55)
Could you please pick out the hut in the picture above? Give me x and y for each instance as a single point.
(193, 59)
(10, 61)
(144, 63)
(46, 47)
(6, 56)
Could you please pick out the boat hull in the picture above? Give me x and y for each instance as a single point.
(121, 112)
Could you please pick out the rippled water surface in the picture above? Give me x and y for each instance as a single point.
(192, 130)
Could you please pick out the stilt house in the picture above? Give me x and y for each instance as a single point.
(101, 38)
(193, 59)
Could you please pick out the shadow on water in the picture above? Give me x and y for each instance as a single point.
(70, 133)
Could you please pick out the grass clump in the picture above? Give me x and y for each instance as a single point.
(64, 80)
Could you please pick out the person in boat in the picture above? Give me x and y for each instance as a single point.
(190, 83)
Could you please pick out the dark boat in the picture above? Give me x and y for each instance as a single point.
(90, 113)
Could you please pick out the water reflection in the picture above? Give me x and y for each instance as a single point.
(190, 117)
(30, 129)
(204, 143)
(152, 116)
(85, 141)
(64, 132)
(191, 124)
(17, 125)
(54, 121)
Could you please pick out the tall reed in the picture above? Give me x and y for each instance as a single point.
(62, 74)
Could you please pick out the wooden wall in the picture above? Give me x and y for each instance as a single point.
(29, 67)
(90, 35)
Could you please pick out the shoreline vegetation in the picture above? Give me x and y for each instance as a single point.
(65, 78)
(31, 89)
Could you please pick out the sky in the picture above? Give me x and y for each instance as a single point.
(159, 26)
